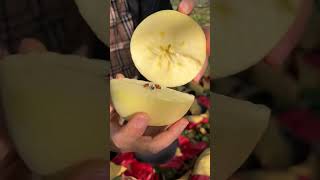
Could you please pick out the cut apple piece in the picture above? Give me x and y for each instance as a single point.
(55, 108)
(164, 106)
(238, 127)
(168, 48)
(202, 166)
(116, 170)
(246, 31)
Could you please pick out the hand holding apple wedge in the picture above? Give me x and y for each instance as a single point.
(136, 136)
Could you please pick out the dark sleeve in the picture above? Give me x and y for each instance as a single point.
(140, 9)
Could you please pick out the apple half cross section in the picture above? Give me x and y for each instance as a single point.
(246, 31)
(168, 48)
(55, 107)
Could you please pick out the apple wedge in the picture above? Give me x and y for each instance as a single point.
(55, 108)
(238, 127)
(116, 170)
(164, 105)
(168, 48)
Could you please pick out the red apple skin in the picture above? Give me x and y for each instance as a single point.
(283, 49)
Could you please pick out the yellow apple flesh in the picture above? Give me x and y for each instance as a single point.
(164, 106)
(238, 127)
(246, 31)
(168, 48)
(55, 108)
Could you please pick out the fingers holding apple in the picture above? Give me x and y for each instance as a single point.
(131, 138)
(206, 30)
(186, 7)
(138, 131)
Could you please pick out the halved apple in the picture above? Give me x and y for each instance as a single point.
(246, 31)
(55, 108)
(168, 48)
(163, 105)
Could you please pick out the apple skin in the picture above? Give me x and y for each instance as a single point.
(285, 46)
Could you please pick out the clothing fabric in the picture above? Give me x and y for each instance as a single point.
(56, 23)
(121, 29)
(124, 17)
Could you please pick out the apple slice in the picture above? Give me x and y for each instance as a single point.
(238, 126)
(164, 106)
(168, 48)
(55, 108)
(246, 31)
(116, 170)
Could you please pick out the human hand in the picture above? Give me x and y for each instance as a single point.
(136, 136)
(186, 7)
(282, 50)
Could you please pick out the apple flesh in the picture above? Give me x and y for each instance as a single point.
(55, 108)
(246, 31)
(168, 48)
(164, 106)
(238, 127)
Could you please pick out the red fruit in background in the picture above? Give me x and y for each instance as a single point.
(199, 177)
(204, 101)
(124, 159)
(141, 171)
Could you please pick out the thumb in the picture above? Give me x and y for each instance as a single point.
(132, 131)
(186, 6)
